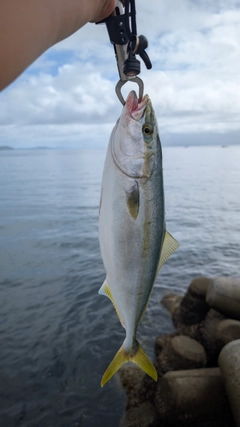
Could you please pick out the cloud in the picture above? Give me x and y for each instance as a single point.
(194, 84)
(78, 94)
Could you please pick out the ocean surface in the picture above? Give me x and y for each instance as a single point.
(57, 335)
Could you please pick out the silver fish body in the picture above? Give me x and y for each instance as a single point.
(132, 223)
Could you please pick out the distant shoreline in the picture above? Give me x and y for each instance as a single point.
(6, 147)
(43, 148)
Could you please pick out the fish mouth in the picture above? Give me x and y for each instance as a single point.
(134, 108)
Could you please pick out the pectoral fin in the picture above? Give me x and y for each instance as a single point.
(169, 246)
(133, 200)
(105, 290)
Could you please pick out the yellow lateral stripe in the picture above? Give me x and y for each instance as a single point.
(169, 246)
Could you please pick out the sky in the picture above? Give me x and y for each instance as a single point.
(67, 97)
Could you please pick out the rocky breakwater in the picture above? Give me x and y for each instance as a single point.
(198, 365)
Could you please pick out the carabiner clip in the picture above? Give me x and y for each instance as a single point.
(126, 46)
(120, 84)
(122, 58)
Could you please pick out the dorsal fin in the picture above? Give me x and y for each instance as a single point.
(169, 246)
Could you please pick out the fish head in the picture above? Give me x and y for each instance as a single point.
(135, 140)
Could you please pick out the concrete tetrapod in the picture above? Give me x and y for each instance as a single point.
(218, 331)
(193, 307)
(223, 294)
(181, 352)
(228, 330)
(229, 362)
(171, 302)
(193, 398)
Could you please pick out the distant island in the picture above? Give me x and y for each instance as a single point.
(5, 147)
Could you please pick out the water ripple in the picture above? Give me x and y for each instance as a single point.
(57, 334)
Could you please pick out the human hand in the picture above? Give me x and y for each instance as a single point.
(103, 10)
(29, 27)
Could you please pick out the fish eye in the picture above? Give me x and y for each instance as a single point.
(147, 129)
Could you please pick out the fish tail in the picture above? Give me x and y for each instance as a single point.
(123, 356)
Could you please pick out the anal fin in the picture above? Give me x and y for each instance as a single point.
(105, 290)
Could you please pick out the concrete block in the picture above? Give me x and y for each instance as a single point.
(223, 294)
(171, 302)
(229, 362)
(193, 307)
(181, 352)
(193, 397)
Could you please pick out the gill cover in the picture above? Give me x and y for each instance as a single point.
(134, 138)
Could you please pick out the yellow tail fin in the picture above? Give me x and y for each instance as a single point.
(139, 357)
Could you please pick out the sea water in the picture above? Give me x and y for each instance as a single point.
(57, 335)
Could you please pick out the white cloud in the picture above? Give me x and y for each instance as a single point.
(78, 94)
(194, 85)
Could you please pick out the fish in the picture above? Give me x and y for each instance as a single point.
(133, 240)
